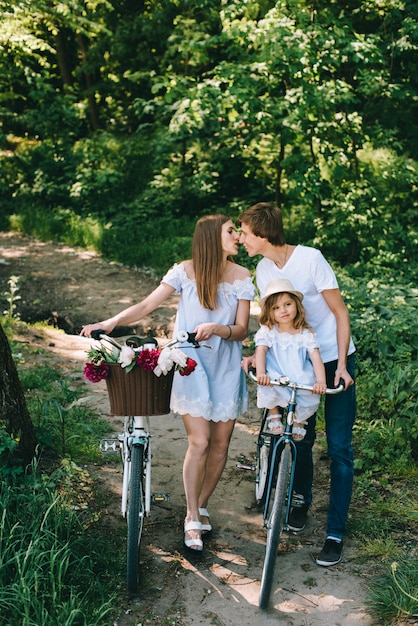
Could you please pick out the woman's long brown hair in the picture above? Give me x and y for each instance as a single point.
(207, 256)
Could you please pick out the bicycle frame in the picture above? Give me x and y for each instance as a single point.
(136, 432)
(278, 442)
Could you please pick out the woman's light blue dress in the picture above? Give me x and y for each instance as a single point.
(216, 390)
(288, 355)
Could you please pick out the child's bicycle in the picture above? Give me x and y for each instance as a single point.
(275, 469)
(134, 447)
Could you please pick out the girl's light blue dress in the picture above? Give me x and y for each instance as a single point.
(288, 355)
(216, 390)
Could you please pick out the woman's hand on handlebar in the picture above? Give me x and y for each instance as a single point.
(106, 327)
(204, 331)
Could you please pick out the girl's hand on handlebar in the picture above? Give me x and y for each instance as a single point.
(319, 388)
(263, 379)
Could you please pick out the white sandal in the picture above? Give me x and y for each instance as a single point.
(298, 432)
(194, 546)
(275, 424)
(206, 528)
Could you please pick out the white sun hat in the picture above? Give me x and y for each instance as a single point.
(281, 285)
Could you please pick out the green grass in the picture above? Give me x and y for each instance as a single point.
(52, 568)
(384, 524)
(394, 596)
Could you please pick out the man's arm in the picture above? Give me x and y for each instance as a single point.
(335, 302)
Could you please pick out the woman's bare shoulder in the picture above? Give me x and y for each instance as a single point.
(188, 267)
(239, 272)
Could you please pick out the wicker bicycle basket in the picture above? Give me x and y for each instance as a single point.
(138, 392)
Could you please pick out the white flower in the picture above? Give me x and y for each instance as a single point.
(179, 357)
(168, 357)
(126, 356)
(165, 362)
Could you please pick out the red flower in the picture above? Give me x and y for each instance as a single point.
(189, 367)
(148, 359)
(95, 373)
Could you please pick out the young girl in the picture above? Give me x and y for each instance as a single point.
(214, 303)
(287, 346)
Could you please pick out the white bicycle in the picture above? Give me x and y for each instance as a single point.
(134, 447)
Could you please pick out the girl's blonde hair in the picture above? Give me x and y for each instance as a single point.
(267, 317)
(207, 257)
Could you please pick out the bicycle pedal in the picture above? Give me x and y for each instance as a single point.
(160, 497)
(246, 466)
(110, 446)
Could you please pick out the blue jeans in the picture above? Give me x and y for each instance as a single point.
(339, 419)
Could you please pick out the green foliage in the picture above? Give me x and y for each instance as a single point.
(12, 295)
(49, 565)
(60, 419)
(8, 446)
(394, 595)
(59, 225)
(175, 110)
(383, 314)
(144, 240)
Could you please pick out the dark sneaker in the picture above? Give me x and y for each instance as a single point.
(331, 553)
(297, 518)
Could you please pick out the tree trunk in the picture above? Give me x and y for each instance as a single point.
(14, 414)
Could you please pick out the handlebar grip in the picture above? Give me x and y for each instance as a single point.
(192, 339)
(96, 333)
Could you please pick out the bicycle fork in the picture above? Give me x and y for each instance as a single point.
(136, 433)
(278, 444)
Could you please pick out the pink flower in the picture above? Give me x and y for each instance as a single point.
(188, 368)
(148, 359)
(95, 373)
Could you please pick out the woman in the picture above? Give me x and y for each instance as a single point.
(214, 303)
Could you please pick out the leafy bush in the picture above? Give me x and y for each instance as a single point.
(383, 314)
(141, 240)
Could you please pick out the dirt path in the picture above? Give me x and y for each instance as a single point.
(73, 287)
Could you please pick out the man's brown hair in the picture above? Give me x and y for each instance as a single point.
(265, 221)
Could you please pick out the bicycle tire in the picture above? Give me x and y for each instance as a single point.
(275, 526)
(135, 517)
(262, 468)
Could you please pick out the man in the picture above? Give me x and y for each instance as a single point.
(262, 233)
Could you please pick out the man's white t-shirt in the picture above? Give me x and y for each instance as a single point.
(310, 273)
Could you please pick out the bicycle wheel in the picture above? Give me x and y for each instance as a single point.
(262, 472)
(135, 517)
(275, 525)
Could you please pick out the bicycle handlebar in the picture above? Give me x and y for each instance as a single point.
(284, 381)
(135, 342)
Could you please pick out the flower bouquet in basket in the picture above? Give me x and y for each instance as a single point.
(138, 377)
